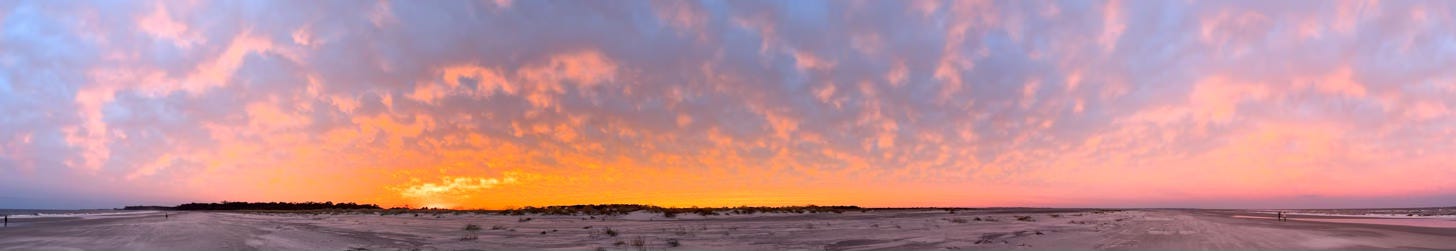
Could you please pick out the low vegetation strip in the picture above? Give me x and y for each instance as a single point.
(274, 206)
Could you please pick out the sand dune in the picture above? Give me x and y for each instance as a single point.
(895, 230)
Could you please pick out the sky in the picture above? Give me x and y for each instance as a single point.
(501, 104)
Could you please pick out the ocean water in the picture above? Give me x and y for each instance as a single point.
(44, 213)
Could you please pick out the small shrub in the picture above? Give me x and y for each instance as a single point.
(959, 220)
(497, 227)
(673, 243)
(619, 243)
(610, 232)
(1025, 218)
(470, 230)
(1056, 216)
(638, 241)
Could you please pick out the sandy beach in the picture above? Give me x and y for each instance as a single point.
(871, 230)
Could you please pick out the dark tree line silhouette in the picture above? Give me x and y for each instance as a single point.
(233, 205)
(598, 209)
(622, 209)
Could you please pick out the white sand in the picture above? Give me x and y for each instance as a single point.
(1430, 223)
(896, 230)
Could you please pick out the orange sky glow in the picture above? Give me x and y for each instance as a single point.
(501, 104)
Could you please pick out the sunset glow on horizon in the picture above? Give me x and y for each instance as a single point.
(497, 104)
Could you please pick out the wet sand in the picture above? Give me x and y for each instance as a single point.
(873, 230)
